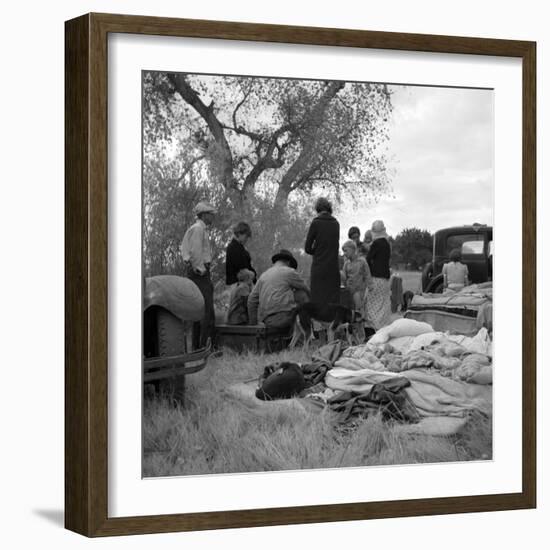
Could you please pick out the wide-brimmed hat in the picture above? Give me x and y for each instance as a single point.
(378, 230)
(204, 207)
(286, 256)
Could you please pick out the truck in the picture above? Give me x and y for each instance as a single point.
(475, 243)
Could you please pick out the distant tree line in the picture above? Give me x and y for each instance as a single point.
(412, 248)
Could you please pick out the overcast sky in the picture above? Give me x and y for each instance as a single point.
(441, 150)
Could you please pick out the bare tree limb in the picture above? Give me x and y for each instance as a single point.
(189, 95)
(304, 158)
(188, 168)
(239, 105)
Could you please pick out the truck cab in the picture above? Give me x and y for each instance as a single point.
(475, 243)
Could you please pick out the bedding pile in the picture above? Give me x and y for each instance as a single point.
(407, 372)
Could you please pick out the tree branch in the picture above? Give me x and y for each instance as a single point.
(239, 105)
(191, 97)
(188, 168)
(304, 158)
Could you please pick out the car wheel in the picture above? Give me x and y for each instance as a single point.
(172, 340)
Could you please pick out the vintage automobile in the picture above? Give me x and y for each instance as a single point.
(475, 243)
(170, 306)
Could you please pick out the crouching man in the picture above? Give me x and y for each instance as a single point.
(272, 299)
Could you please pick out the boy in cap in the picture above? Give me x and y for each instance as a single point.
(197, 256)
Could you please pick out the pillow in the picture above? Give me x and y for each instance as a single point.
(400, 327)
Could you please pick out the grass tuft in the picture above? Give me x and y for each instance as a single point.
(215, 432)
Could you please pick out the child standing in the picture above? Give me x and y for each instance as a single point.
(455, 273)
(355, 274)
(238, 299)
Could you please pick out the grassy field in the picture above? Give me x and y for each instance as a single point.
(411, 280)
(216, 432)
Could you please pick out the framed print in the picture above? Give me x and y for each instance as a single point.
(299, 275)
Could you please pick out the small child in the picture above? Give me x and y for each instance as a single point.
(238, 299)
(356, 275)
(455, 273)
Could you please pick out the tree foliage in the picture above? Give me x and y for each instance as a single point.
(259, 149)
(413, 247)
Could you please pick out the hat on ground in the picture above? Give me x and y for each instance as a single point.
(378, 230)
(286, 382)
(286, 256)
(204, 207)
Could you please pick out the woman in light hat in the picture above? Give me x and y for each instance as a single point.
(378, 298)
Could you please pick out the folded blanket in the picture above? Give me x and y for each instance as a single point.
(369, 361)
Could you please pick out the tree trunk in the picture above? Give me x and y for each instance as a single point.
(191, 97)
(281, 198)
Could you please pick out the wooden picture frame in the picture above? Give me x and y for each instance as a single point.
(86, 280)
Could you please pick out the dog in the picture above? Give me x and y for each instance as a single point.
(339, 318)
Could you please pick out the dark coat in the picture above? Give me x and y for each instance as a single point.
(378, 258)
(237, 257)
(322, 242)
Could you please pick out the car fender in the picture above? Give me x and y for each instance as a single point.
(426, 275)
(434, 283)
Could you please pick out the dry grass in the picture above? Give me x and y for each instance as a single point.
(217, 433)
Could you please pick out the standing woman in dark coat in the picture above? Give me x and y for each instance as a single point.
(322, 243)
(237, 256)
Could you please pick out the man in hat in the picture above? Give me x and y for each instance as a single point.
(197, 256)
(272, 299)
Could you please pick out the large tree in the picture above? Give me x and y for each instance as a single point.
(281, 135)
(258, 148)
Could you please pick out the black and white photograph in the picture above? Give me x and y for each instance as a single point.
(317, 265)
